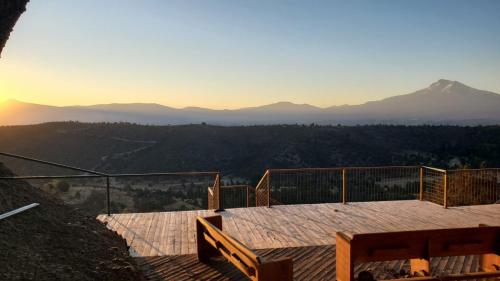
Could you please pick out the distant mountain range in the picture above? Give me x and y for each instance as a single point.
(443, 102)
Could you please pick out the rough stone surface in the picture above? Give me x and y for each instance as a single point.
(56, 242)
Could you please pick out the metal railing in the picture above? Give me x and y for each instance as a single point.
(160, 192)
(357, 184)
(263, 190)
(336, 185)
(473, 187)
(203, 190)
(237, 196)
(433, 185)
(120, 193)
(18, 210)
(185, 190)
(382, 183)
(305, 186)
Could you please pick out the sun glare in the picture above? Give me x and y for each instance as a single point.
(3, 96)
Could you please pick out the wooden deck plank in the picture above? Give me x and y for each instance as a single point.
(191, 234)
(249, 217)
(185, 233)
(178, 233)
(157, 241)
(126, 226)
(256, 231)
(173, 233)
(252, 237)
(142, 228)
(153, 226)
(170, 234)
(135, 226)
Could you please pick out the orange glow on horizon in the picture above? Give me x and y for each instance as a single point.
(55, 87)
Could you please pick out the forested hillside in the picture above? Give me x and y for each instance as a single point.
(247, 151)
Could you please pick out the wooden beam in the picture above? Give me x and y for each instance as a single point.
(472, 276)
(416, 279)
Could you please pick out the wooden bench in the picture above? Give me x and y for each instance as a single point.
(211, 242)
(419, 246)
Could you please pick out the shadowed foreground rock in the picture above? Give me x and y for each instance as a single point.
(56, 242)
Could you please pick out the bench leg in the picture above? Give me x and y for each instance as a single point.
(344, 259)
(205, 250)
(281, 269)
(489, 262)
(420, 267)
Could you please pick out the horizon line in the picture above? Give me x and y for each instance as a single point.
(172, 107)
(6, 100)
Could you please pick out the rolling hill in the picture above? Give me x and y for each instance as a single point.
(245, 151)
(443, 102)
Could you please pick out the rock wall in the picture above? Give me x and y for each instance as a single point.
(10, 11)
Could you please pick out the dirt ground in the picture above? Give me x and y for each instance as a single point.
(55, 241)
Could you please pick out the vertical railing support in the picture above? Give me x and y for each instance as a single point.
(344, 197)
(445, 189)
(421, 174)
(220, 196)
(248, 196)
(268, 183)
(108, 200)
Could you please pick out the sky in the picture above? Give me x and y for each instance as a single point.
(232, 54)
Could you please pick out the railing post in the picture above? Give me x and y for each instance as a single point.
(445, 189)
(219, 193)
(268, 183)
(344, 197)
(248, 196)
(421, 172)
(210, 198)
(107, 197)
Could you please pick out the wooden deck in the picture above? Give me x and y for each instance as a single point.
(309, 263)
(173, 233)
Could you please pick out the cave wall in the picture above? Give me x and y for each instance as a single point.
(10, 11)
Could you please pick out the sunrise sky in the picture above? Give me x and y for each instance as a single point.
(231, 54)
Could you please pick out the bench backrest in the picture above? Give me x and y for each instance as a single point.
(211, 241)
(418, 246)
